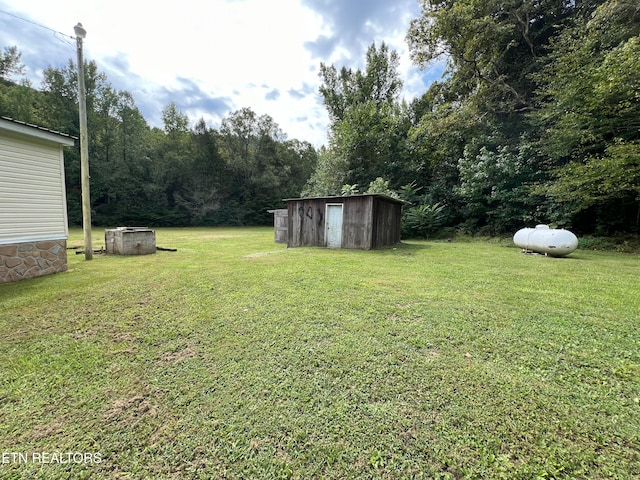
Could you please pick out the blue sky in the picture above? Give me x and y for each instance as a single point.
(215, 57)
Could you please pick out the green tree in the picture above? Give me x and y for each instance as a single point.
(300, 159)
(202, 190)
(59, 86)
(491, 46)
(368, 124)
(119, 146)
(473, 136)
(371, 139)
(329, 175)
(172, 153)
(21, 101)
(379, 83)
(125, 173)
(589, 88)
(10, 63)
(590, 119)
(441, 129)
(252, 148)
(495, 187)
(603, 191)
(18, 100)
(381, 186)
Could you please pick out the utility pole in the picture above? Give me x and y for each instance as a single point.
(84, 146)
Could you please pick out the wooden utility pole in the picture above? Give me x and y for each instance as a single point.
(84, 146)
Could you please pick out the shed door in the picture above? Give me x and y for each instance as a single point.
(281, 226)
(334, 225)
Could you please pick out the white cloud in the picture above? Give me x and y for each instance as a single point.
(217, 56)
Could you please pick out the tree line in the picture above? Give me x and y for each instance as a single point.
(536, 120)
(177, 175)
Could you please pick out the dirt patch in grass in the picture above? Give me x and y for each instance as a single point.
(43, 431)
(262, 254)
(220, 236)
(81, 335)
(125, 409)
(124, 337)
(179, 356)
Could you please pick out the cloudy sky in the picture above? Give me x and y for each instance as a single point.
(213, 57)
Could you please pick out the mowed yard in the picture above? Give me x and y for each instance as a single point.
(235, 357)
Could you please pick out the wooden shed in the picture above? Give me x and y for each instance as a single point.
(356, 221)
(280, 225)
(33, 206)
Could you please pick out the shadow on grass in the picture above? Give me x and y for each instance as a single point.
(404, 248)
(550, 257)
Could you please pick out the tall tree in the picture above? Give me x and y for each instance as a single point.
(589, 88)
(328, 177)
(172, 154)
(124, 169)
(491, 46)
(475, 125)
(118, 143)
(10, 63)
(366, 118)
(201, 193)
(379, 83)
(17, 100)
(21, 101)
(590, 119)
(249, 144)
(300, 159)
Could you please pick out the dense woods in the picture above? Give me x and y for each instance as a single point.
(177, 175)
(537, 119)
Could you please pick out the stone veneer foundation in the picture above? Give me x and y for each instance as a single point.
(20, 261)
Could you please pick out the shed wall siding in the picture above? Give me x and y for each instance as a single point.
(32, 193)
(280, 225)
(357, 223)
(306, 223)
(368, 221)
(387, 218)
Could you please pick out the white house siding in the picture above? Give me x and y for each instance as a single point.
(33, 210)
(32, 194)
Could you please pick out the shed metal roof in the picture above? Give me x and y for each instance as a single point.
(340, 197)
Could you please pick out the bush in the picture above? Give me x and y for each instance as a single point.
(424, 220)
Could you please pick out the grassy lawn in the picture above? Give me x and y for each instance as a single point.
(237, 358)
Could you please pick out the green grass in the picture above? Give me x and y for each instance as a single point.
(237, 358)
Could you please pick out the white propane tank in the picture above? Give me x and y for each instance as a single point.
(550, 241)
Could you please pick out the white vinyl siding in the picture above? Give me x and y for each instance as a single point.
(32, 193)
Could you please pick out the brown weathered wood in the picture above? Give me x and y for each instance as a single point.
(369, 221)
(280, 225)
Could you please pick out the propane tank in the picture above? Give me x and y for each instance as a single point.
(542, 239)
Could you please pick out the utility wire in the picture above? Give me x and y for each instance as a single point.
(41, 26)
